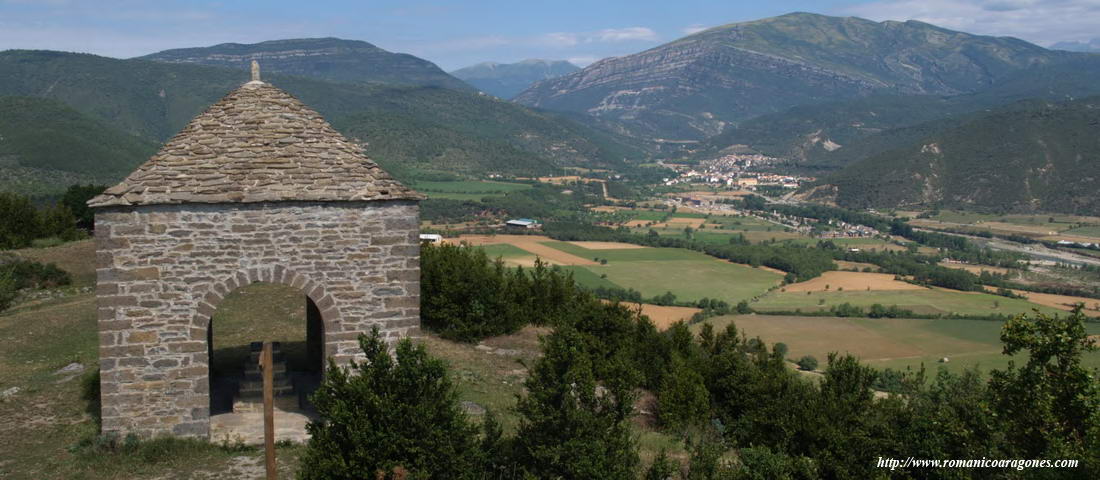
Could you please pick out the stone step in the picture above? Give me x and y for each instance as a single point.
(276, 357)
(278, 370)
(258, 390)
(253, 405)
(258, 384)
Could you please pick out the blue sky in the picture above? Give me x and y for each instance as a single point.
(454, 34)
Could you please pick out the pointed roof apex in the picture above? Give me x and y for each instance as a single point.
(258, 144)
(255, 74)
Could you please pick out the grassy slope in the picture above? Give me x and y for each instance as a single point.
(689, 275)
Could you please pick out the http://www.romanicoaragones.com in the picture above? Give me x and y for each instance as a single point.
(1017, 464)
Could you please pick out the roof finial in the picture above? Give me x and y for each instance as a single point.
(255, 71)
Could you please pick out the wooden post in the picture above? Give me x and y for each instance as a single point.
(266, 361)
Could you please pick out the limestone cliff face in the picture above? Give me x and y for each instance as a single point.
(691, 88)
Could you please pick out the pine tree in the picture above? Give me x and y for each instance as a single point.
(570, 427)
(384, 413)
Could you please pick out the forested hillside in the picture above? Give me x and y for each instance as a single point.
(837, 133)
(1031, 156)
(338, 60)
(425, 128)
(45, 146)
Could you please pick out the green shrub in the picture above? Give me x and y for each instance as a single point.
(808, 363)
(569, 428)
(384, 413)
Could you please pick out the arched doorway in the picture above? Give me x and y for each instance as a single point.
(253, 309)
(264, 312)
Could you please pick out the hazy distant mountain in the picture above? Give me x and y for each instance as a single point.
(325, 58)
(505, 80)
(834, 134)
(1030, 156)
(409, 130)
(1091, 46)
(694, 87)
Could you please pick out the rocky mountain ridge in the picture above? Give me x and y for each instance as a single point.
(694, 87)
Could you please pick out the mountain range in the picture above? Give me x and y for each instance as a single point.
(1030, 156)
(858, 103)
(410, 130)
(334, 59)
(695, 87)
(505, 80)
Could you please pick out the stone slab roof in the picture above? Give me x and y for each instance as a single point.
(258, 144)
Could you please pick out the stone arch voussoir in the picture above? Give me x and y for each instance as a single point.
(217, 292)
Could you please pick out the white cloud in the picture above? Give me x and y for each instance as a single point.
(694, 28)
(583, 60)
(1040, 21)
(607, 35)
(626, 34)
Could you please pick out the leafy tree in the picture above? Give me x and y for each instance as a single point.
(76, 200)
(1052, 403)
(743, 307)
(384, 413)
(761, 463)
(780, 349)
(683, 400)
(8, 290)
(808, 363)
(662, 468)
(570, 428)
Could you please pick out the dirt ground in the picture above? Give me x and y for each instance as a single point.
(664, 317)
(527, 262)
(530, 243)
(856, 281)
(606, 208)
(975, 269)
(568, 178)
(773, 270)
(1061, 302)
(606, 245)
(846, 265)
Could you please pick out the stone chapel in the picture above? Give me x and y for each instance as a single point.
(257, 188)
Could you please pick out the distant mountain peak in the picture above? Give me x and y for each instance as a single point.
(694, 87)
(327, 58)
(505, 80)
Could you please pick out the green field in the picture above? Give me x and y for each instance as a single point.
(467, 189)
(929, 301)
(688, 274)
(885, 342)
(647, 215)
(1090, 231)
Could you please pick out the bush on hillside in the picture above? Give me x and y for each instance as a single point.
(808, 363)
(388, 413)
(467, 297)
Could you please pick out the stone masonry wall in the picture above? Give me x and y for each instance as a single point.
(163, 269)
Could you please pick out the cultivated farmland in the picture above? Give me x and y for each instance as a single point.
(886, 342)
